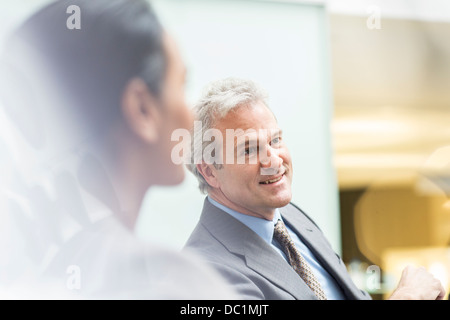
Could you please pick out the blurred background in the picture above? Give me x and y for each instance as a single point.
(361, 90)
(391, 81)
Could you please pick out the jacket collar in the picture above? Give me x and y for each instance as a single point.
(241, 240)
(314, 239)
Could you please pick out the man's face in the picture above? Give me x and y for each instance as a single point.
(263, 182)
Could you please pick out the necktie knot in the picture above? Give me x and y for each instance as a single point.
(296, 260)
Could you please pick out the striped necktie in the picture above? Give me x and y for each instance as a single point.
(296, 260)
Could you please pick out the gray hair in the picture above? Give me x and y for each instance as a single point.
(218, 99)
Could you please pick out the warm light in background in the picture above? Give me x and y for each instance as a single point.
(391, 136)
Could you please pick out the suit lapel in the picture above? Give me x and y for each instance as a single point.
(317, 243)
(259, 255)
(263, 259)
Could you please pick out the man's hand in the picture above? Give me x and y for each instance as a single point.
(418, 284)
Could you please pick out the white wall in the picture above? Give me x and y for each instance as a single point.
(283, 47)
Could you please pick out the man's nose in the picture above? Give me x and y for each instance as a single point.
(270, 161)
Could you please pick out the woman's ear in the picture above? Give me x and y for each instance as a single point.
(209, 174)
(141, 111)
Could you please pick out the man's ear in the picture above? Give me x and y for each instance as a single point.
(209, 174)
(141, 110)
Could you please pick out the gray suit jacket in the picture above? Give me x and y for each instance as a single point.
(253, 267)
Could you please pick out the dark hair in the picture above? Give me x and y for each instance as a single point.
(81, 73)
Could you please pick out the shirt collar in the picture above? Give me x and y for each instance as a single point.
(263, 228)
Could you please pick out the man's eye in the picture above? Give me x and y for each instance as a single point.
(275, 141)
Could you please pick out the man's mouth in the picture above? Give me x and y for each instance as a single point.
(272, 180)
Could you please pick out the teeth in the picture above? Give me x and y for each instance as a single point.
(272, 181)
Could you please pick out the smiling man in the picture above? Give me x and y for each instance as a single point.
(249, 230)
